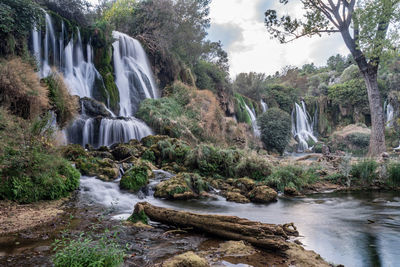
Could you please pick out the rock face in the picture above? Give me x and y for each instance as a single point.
(188, 259)
(263, 194)
(93, 108)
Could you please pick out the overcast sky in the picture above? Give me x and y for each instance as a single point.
(239, 24)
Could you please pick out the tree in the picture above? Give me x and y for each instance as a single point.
(369, 29)
(250, 84)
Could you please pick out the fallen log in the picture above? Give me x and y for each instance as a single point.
(268, 236)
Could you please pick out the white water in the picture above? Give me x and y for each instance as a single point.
(131, 64)
(253, 118)
(264, 106)
(134, 81)
(302, 126)
(389, 114)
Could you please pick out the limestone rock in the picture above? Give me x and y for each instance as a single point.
(262, 194)
(188, 259)
(236, 197)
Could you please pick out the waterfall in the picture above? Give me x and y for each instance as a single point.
(302, 126)
(253, 118)
(133, 75)
(264, 106)
(389, 114)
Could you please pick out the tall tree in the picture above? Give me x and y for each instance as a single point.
(370, 30)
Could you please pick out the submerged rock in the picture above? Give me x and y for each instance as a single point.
(188, 259)
(262, 194)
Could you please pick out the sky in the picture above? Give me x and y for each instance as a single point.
(239, 25)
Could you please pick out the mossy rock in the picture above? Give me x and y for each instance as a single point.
(135, 178)
(244, 184)
(124, 151)
(189, 259)
(182, 186)
(73, 152)
(262, 194)
(236, 197)
(105, 169)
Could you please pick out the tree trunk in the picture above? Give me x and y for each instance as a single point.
(377, 139)
(269, 236)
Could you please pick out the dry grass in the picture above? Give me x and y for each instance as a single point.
(20, 89)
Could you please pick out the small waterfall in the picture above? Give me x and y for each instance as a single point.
(389, 114)
(133, 75)
(253, 118)
(302, 126)
(264, 106)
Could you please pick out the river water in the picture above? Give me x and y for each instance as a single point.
(354, 229)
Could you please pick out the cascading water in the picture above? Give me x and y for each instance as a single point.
(133, 75)
(389, 114)
(264, 106)
(253, 118)
(302, 127)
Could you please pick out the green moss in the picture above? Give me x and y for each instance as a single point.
(240, 109)
(291, 176)
(139, 217)
(135, 178)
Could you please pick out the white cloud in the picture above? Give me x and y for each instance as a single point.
(251, 49)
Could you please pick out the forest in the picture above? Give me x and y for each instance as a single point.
(127, 140)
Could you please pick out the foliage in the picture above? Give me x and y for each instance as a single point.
(31, 170)
(253, 166)
(135, 178)
(64, 104)
(291, 176)
(241, 112)
(250, 84)
(281, 96)
(209, 76)
(275, 127)
(352, 93)
(393, 171)
(365, 171)
(20, 89)
(120, 14)
(85, 251)
(139, 217)
(16, 20)
(73, 10)
(339, 63)
(359, 140)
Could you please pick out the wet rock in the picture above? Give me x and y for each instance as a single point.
(236, 197)
(105, 169)
(245, 185)
(181, 186)
(93, 108)
(188, 259)
(126, 151)
(262, 194)
(290, 191)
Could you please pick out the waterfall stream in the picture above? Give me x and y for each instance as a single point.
(253, 118)
(133, 77)
(302, 127)
(389, 114)
(264, 106)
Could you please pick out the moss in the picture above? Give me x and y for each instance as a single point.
(139, 217)
(73, 152)
(104, 169)
(291, 176)
(240, 109)
(135, 178)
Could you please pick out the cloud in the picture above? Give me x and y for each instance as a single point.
(229, 34)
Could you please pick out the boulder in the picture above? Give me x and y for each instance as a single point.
(245, 185)
(236, 197)
(262, 194)
(105, 169)
(175, 188)
(93, 108)
(136, 177)
(188, 259)
(126, 151)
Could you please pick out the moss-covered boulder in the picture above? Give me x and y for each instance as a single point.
(262, 194)
(182, 186)
(188, 259)
(236, 197)
(150, 140)
(105, 169)
(131, 149)
(245, 185)
(136, 177)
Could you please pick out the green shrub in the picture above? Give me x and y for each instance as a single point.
(275, 127)
(360, 140)
(135, 178)
(337, 178)
(318, 147)
(254, 166)
(85, 251)
(209, 76)
(393, 171)
(149, 156)
(173, 150)
(291, 176)
(365, 171)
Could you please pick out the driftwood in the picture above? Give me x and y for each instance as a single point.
(268, 236)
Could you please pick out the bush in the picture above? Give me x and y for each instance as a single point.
(393, 171)
(209, 76)
(31, 170)
(20, 89)
(291, 176)
(275, 126)
(64, 104)
(85, 251)
(365, 171)
(253, 166)
(360, 140)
